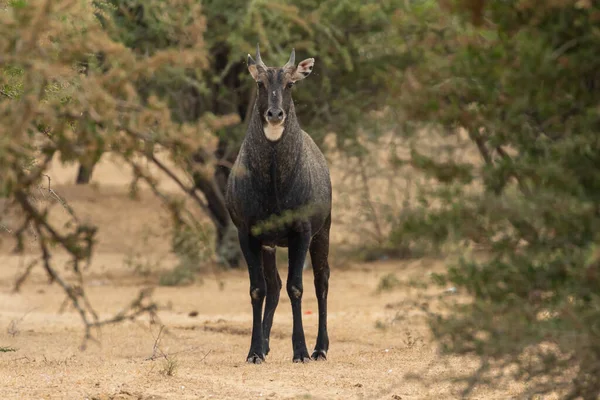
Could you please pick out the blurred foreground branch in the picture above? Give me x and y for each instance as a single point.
(54, 110)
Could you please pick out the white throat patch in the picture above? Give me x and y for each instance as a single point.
(273, 133)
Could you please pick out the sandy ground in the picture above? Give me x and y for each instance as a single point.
(380, 344)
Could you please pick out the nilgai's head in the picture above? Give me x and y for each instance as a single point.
(275, 90)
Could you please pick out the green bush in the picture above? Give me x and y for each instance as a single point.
(521, 80)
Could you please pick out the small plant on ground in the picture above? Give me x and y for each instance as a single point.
(381, 325)
(7, 349)
(169, 366)
(388, 282)
(411, 341)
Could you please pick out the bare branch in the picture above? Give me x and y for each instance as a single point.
(63, 203)
(524, 189)
(369, 203)
(189, 191)
(24, 275)
(480, 142)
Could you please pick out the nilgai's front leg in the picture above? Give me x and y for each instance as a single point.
(273, 288)
(251, 248)
(319, 252)
(298, 247)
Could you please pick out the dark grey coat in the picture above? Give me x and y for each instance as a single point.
(281, 173)
(271, 177)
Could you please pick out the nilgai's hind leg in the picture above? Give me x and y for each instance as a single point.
(251, 248)
(298, 247)
(319, 252)
(273, 288)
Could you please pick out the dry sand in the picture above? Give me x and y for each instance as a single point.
(380, 344)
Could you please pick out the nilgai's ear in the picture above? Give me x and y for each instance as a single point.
(252, 67)
(303, 69)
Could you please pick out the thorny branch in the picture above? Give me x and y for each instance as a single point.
(97, 115)
(187, 190)
(79, 243)
(170, 203)
(79, 246)
(147, 139)
(23, 277)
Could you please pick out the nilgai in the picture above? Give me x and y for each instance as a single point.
(279, 194)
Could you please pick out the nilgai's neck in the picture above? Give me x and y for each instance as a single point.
(274, 163)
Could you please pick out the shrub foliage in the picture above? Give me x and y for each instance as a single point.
(354, 44)
(521, 80)
(68, 88)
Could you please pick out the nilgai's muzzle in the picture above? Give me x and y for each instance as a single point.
(274, 115)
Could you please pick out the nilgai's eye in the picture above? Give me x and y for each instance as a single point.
(289, 85)
(260, 84)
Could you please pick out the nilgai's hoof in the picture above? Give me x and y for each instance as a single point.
(319, 355)
(255, 359)
(301, 357)
(302, 360)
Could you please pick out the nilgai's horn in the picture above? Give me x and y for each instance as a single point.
(292, 61)
(259, 60)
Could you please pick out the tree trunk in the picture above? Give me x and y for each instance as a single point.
(86, 168)
(84, 174)
(227, 246)
(236, 101)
